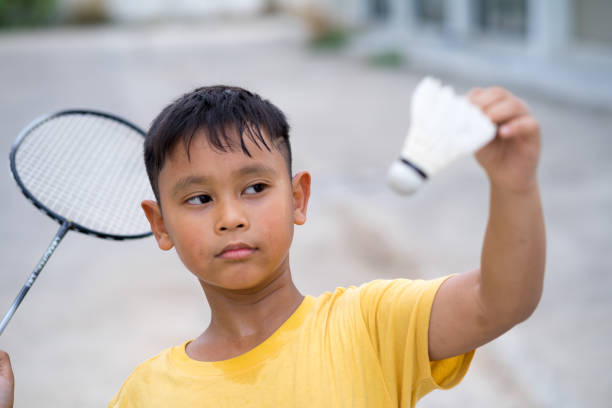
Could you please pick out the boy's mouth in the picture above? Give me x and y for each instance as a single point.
(236, 250)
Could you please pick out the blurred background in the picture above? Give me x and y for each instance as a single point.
(343, 72)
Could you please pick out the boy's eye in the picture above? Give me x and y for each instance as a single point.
(200, 199)
(255, 188)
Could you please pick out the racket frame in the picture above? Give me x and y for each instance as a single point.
(62, 220)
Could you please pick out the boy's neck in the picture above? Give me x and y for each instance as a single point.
(240, 321)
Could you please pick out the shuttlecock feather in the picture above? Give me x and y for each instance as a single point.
(443, 127)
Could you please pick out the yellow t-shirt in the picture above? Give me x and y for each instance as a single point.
(356, 347)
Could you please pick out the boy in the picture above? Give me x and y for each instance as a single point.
(219, 162)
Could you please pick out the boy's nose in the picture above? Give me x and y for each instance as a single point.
(231, 217)
(230, 227)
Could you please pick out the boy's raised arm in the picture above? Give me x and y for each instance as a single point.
(473, 308)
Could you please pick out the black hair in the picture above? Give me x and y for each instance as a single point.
(222, 112)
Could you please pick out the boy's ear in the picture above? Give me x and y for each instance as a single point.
(154, 215)
(301, 194)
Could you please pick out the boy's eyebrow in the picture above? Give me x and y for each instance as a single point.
(185, 182)
(188, 181)
(256, 169)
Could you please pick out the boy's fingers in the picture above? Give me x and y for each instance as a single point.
(7, 382)
(6, 370)
(522, 126)
(506, 109)
(472, 93)
(488, 96)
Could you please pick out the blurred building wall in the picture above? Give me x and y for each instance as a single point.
(560, 46)
(545, 26)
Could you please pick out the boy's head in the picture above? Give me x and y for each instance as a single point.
(226, 116)
(220, 165)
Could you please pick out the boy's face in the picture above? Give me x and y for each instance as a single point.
(229, 216)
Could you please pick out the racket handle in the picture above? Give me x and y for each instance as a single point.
(41, 264)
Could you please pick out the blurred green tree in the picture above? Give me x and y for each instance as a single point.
(15, 13)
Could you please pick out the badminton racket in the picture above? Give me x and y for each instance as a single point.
(85, 170)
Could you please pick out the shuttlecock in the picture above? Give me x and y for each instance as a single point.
(443, 127)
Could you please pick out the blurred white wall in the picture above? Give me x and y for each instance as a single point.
(346, 13)
(153, 10)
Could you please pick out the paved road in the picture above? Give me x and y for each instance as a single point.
(100, 308)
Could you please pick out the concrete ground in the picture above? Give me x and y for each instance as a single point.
(101, 307)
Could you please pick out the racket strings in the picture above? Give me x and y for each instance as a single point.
(94, 196)
(88, 169)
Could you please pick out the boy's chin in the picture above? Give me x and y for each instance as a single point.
(239, 283)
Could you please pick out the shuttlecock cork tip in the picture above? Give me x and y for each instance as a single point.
(404, 179)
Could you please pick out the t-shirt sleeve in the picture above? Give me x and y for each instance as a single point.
(126, 396)
(396, 314)
(115, 402)
(136, 390)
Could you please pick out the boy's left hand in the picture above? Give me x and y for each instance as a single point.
(7, 382)
(511, 158)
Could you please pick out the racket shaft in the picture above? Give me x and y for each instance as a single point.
(41, 264)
